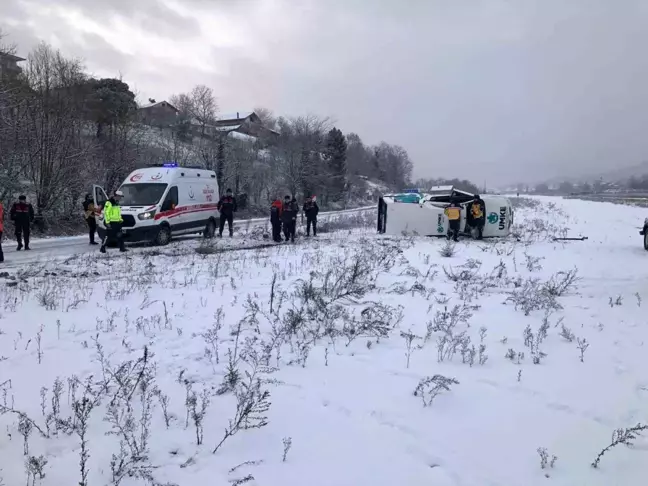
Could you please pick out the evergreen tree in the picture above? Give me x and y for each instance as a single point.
(336, 157)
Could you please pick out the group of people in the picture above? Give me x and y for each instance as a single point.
(113, 220)
(283, 216)
(22, 215)
(475, 217)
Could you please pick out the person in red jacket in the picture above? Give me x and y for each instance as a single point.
(1, 230)
(275, 219)
(22, 214)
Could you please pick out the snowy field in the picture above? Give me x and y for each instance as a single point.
(350, 360)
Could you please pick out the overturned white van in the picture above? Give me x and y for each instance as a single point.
(163, 201)
(422, 212)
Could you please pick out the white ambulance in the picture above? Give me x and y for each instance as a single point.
(163, 201)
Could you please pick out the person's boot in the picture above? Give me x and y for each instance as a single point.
(102, 249)
(20, 246)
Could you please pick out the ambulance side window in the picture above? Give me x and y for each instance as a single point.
(171, 200)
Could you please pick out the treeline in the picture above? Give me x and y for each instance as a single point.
(61, 130)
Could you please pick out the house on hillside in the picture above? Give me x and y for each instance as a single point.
(243, 125)
(157, 113)
(9, 64)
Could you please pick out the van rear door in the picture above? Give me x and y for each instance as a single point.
(99, 198)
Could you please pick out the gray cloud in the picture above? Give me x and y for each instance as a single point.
(490, 90)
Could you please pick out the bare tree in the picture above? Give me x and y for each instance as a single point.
(53, 146)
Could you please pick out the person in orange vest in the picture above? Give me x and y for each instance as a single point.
(275, 219)
(453, 212)
(1, 230)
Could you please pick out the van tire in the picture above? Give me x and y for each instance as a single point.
(164, 235)
(645, 238)
(210, 229)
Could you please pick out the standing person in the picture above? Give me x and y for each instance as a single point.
(90, 218)
(1, 230)
(477, 215)
(453, 212)
(113, 221)
(311, 210)
(275, 219)
(22, 214)
(289, 217)
(227, 208)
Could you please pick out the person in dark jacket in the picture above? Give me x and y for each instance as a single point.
(90, 217)
(289, 217)
(276, 210)
(311, 210)
(227, 208)
(22, 214)
(476, 217)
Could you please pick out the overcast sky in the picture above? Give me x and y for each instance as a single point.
(490, 90)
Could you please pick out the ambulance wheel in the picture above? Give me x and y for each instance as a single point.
(164, 236)
(210, 229)
(645, 239)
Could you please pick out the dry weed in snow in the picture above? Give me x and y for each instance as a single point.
(245, 362)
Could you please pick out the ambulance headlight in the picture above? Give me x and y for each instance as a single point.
(146, 216)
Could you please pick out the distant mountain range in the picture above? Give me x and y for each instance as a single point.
(616, 175)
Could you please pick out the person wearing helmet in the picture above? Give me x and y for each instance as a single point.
(22, 214)
(89, 216)
(113, 221)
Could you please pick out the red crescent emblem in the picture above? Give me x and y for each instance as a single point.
(136, 177)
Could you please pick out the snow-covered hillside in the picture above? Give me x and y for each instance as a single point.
(353, 359)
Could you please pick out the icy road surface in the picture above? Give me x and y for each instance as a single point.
(350, 360)
(45, 249)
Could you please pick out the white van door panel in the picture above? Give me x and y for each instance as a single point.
(99, 198)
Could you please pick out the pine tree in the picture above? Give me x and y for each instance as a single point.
(336, 156)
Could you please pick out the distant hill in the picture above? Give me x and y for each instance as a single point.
(615, 175)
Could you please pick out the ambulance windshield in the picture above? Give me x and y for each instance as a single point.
(144, 194)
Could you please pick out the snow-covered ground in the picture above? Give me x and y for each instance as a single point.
(326, 362)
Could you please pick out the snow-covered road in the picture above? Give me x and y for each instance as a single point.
(46, 249)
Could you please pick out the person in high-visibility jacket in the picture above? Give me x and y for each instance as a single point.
(113, 222)
(453, 212)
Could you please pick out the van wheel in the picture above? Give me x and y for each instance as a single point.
(164, 236)
(645, 239)
(210, 229)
